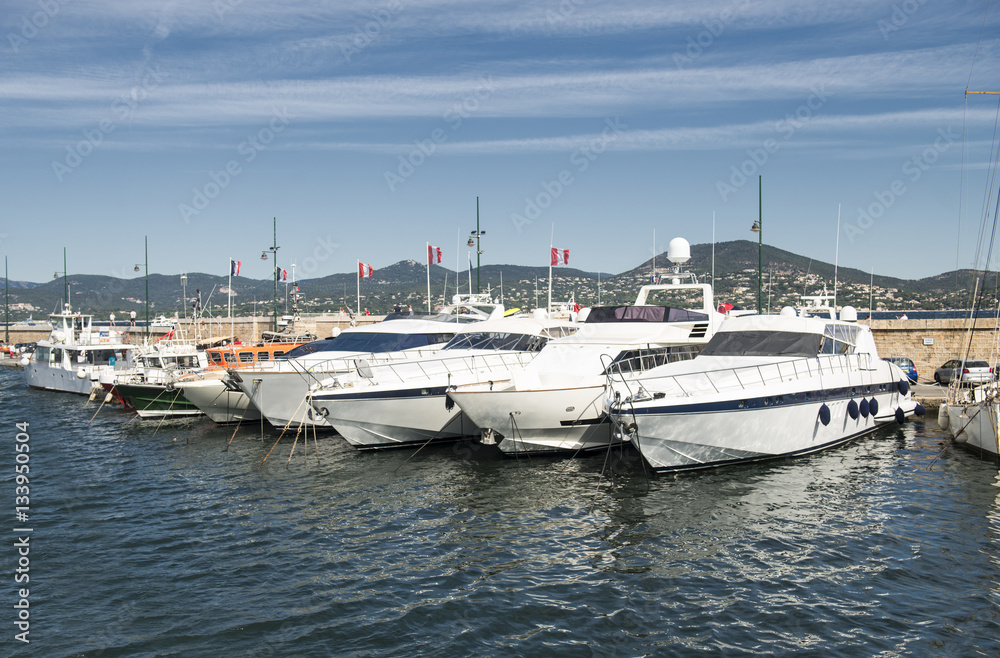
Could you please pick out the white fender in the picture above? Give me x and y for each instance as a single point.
(943, 419)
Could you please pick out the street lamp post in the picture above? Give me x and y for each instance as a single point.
(184, 280)
(146, 265)
(758, 228)
(477, 234)
(263, 256)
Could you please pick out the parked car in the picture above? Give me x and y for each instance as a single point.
(906, 365)
(972, 372)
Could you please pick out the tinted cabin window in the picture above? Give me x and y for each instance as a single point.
(763, 343)
(230, 357)
(263, 356)
(216, 357)
(370, 342)
(246, 357)
(492, 340)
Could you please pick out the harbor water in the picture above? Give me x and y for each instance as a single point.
(152, 539)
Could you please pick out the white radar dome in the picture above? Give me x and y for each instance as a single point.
(788, 312)
(679, 251)
(849, 314)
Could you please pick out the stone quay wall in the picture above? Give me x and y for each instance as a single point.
(929, 343)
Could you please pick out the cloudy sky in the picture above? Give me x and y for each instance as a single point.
(370, 128)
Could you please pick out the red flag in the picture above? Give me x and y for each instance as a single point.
(364, 270)
(433, 252)
(284, 275)
(557, 254)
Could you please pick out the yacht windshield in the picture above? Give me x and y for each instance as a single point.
(492, 340)
(370, 342)
(763, 343)
(839, 339)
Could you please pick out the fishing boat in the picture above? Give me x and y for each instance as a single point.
(278, 389)
(764, 387)
(403, 403)
(555, 404)
(148, 389)
(76, 354)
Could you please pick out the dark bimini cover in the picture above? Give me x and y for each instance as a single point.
(643, 314)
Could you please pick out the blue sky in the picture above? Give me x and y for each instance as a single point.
(370, 130)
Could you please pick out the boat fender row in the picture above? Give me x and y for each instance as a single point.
(866, 408)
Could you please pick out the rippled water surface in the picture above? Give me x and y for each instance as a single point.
(155, 540)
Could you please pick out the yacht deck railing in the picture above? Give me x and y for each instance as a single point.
(745, 377)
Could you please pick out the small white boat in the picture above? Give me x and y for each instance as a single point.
(404, 403)
(75, 355)
(972, 417)
(764, 387)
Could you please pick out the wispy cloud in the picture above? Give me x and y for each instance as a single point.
(65, 101)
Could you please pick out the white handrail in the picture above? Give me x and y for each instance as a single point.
(414, 371)
(685, 383)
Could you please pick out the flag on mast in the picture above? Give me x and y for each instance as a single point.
(365, 270)
(432, 254)
(234, 267)
(284, 275)
(559, 254)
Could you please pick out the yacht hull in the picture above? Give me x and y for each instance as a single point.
(401, 418)
(681, 436)
(156, 401)
(541, 421)
(54, 378)
(975, 425)
(219, 403)
(281, 398)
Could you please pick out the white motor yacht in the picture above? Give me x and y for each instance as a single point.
(764, 387)
(402, 403)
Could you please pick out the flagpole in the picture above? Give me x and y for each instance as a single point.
(713, 251)
(552, 239)
(836, 260)
(232, 332)
(357, 309)
(428, 277)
